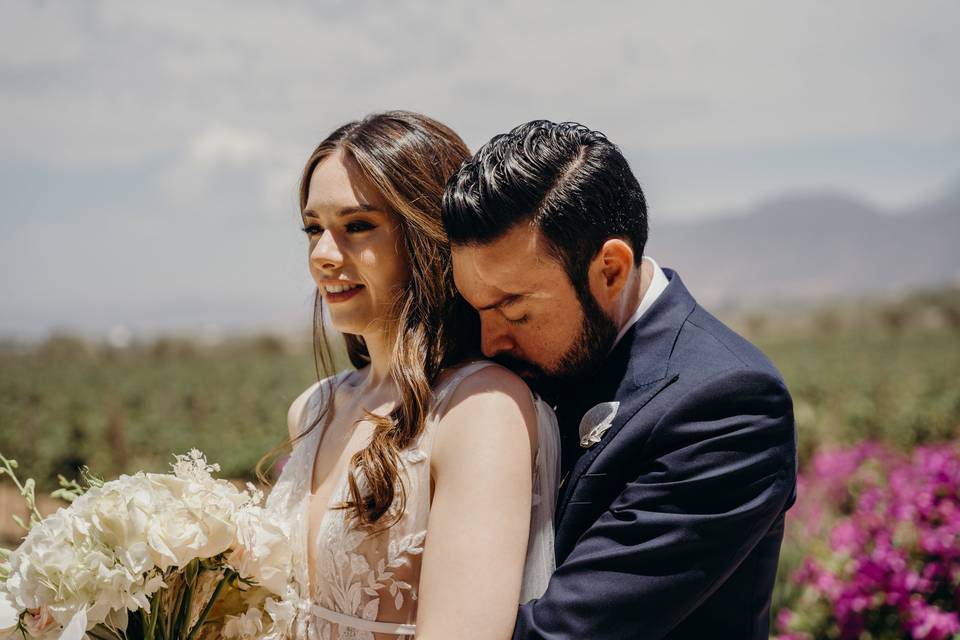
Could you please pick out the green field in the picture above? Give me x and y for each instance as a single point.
(902, 389)
(67, 403)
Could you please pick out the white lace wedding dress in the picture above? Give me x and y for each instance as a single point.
(365, 587)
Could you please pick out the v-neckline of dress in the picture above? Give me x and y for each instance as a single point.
(336, 490)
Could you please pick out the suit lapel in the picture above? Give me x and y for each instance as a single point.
(639, 367)
(637, 400)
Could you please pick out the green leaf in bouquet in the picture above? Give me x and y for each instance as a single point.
(150, 624)
(69, 490)
(20, 522)
(89, 479)
(164, 628)
(190, 574)
(249, 582)
(26, 489)
(4, 565)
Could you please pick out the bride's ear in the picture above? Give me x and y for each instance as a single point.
(610, 271)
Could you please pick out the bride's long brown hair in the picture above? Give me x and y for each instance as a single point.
(407, 157)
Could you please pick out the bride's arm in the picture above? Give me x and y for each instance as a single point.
(480, 516)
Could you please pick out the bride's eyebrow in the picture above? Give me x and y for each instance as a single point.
(346, 211)
(360, 208)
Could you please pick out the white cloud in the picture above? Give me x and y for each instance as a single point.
(232, 172)
(223, 145)
(118, 81)
(209, 109)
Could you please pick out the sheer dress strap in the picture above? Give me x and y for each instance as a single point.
(442, 394)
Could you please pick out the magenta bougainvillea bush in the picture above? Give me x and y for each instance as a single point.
(884, 546)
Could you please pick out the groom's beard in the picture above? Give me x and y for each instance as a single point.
(584, 357)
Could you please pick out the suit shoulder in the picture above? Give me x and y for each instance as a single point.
(712, 347)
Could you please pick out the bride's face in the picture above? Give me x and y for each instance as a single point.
(357, 255)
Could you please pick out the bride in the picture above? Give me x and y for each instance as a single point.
(420, 488)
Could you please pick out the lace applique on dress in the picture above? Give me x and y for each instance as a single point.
(364, 587)
(372, 577)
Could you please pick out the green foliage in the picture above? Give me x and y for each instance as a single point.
(897, 388)
(27, 490)
(65, 404)
(862, 382)
(119, 411)
(70, 490)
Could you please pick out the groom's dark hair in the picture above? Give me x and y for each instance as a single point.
(572, 183)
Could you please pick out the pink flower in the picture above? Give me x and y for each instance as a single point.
(894, 554)
(929, 622)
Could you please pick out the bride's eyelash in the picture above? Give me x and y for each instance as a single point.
(521, 320)
(359, 225)
(352, 227)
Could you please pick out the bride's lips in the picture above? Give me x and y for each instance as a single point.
(342, 296)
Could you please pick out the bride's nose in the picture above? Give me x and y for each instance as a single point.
(326, 254)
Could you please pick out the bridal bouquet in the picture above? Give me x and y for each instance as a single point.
(178, 556)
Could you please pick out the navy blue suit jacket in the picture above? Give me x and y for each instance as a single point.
(670, 526)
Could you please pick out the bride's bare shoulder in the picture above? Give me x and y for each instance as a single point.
(490, 382)
(492, 404)
(296, 414)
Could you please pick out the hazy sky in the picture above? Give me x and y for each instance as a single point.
(149, 152)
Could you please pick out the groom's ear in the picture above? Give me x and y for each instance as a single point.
(610, 270)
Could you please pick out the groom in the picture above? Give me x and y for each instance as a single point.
(678, 441)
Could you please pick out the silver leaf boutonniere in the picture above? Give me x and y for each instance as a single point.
(595, 423)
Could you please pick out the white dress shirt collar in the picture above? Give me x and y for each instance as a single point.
(657, 285)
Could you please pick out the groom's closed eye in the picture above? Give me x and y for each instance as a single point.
(505, 301)
(510, 302)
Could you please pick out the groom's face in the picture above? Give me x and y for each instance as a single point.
(531, 318)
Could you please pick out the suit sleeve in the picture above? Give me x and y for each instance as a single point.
(716, 471)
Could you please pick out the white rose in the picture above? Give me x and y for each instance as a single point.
(261, 551)
(197, 522)
(175, 537)
(121, 510)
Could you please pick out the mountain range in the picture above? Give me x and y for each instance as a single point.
(809, 247)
